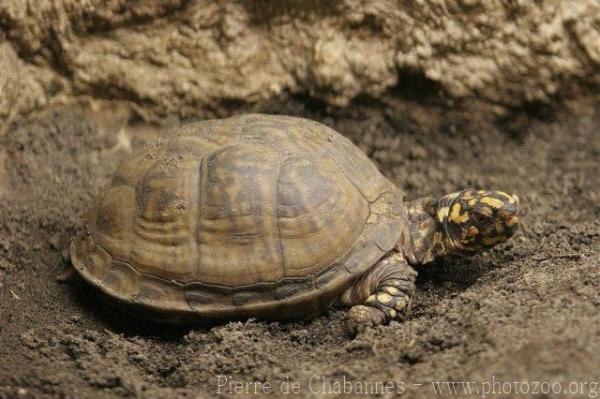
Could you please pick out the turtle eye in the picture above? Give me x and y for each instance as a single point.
(479, 218)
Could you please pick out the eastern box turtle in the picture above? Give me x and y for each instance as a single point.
(274, 217)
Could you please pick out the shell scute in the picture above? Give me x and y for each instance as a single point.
(320, 215)
(237, 223)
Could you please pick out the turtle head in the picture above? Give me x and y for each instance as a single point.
(475, 220)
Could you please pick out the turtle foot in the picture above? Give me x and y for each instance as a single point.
(361, 317)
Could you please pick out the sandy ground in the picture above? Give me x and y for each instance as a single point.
(525, 312)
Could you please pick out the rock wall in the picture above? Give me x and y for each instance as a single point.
(194, 58)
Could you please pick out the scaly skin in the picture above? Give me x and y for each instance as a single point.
(465, 222)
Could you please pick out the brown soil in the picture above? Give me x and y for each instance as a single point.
(527, 311)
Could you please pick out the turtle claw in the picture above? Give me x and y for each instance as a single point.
(361, 317)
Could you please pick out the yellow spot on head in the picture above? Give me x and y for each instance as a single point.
(494, 202)
(472, 202)
(512, 220)
(502, 193)
(485, 211)
(511, 198)
(455, 215)
(392, 313)
(443, 213)
(370, 299)
(392, 290)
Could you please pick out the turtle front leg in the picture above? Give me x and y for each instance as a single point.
(382, 294)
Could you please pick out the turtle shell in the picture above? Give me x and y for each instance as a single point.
(250, 216)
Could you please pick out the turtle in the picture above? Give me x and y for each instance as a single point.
(271, 217)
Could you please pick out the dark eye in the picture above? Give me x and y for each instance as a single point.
(479, 217)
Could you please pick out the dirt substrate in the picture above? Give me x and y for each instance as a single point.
(527, 311)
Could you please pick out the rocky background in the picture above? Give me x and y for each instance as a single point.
(182, 58)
